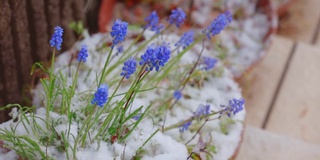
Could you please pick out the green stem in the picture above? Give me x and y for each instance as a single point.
(133, 43)
(103, 74)
(74, 83)
(105, 107)
(85, 126)
(181, 123)
(154, 133)
(135, 52)
(51, 81)
(171, 63)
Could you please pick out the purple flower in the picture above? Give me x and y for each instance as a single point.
(120, 49)
(137, 116)
(56, 39)
(129, 67)
(177, 94)
(101, 96)
(218, 24)
(83, 54)
(202, 110)
(208, 63)
(234, 107)
(185, 127)
(155, 56)
(177, 17)
(119, 31)
(153, 22)
(186, 39)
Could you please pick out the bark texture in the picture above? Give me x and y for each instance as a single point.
(26, 27)
(9, 77)
(66, 18)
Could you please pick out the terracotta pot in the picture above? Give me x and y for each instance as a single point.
(236, 152)
(282, 7)
(267, 7)
(105, 14)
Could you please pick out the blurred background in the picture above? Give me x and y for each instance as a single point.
(281, 89)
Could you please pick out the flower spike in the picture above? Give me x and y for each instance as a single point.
(218, 24)
(186, 39)
(119, 32)
(83, 54)
(56, 39)
(101, 96)
(155, 56)
(153, 22)
(177, 17)
(129, 67)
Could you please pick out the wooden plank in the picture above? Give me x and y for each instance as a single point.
(301, 21)
(260, 84)
(262, 145)
(297, 108)
(317, 40)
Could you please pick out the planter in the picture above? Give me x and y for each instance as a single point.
(243, 44)
(220, 135)
(139, 95)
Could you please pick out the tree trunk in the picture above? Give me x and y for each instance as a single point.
(38, 30)
(9, 77)
(66, 18)
(21, 45)
(26, 27)
(53, 14)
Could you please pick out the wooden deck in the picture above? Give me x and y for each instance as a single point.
(283, 91)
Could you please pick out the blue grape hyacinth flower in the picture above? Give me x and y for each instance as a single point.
(177, 95)
(234, 107)
(120, 49)
(185, 126)
(129, 67)
(119, 32)
(83, 54)
(56, 39)
(177, 17)
(137, 116)
(202, 110)
(101, 96)
(155, 56)
(186, 39)
(208, 63)
(152, 22)
(218, 24)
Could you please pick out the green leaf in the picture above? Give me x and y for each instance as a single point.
(136, 125)
(225, 122)
(112, 130)
(76, 26)
(132, 114)
(212, 149)
(134, 27)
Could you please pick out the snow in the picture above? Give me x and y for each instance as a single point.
(244, 39)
